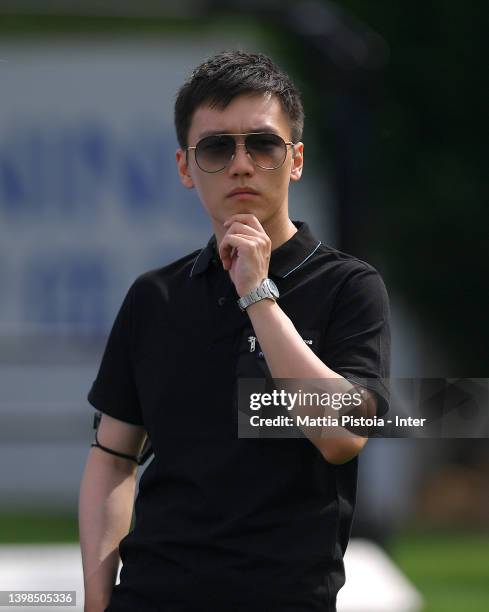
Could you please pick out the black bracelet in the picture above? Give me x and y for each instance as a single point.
(113, 452)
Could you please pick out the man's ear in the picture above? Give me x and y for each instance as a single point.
(183, 169)
(297, 161)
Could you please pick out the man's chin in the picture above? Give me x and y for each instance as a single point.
(246, 210)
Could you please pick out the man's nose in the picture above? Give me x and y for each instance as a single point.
(241, 162)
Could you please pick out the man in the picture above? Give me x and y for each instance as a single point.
(225, 522)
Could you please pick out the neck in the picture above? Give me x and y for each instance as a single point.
(279, 231)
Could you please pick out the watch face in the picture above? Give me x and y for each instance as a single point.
(273, 288)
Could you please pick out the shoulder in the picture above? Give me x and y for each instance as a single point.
(344, 263)
(355, 288)
(347, 272)
(161, 278)
(153, 288)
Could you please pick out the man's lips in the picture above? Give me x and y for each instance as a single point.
(243, 191)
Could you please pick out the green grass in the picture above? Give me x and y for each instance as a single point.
(24, 528)
(451, 570)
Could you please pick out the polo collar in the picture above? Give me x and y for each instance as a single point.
(292, 254)
(285, 259)
(204, 258)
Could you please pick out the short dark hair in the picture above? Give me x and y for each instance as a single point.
(219, 79)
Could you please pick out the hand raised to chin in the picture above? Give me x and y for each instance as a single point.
(245, 252)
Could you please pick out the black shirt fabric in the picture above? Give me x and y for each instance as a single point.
(221, 522)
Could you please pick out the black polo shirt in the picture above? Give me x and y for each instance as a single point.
(221, 521)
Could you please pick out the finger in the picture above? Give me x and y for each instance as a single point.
(234, 241)
(247, 219)
(230, 242)
(237, 227)
(260, 243)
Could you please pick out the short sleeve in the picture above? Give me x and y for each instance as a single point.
(114, 390)
(357, 339)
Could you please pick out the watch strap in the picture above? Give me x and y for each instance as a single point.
(261, 292)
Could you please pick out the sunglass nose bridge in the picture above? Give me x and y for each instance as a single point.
(240, 144)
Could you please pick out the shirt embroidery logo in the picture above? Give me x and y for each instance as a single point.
(252, 342)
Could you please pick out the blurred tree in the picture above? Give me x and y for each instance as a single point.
(427, 183)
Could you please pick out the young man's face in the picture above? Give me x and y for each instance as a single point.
(246, 113)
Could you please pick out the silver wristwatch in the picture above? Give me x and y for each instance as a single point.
(266, 289)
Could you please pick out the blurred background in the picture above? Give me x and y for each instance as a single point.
(89, 198)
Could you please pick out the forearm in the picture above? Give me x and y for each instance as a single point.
(105, 510)
(289, 357)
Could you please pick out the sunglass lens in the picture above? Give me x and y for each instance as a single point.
(267, 150)
(214, 152)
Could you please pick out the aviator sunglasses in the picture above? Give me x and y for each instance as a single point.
(267, 150)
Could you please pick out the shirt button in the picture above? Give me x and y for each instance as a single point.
(221, 301)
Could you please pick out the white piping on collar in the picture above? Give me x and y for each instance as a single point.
(287, 274)
(304, 261)
(196, 260)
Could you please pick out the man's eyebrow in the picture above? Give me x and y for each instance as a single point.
(264, 128)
